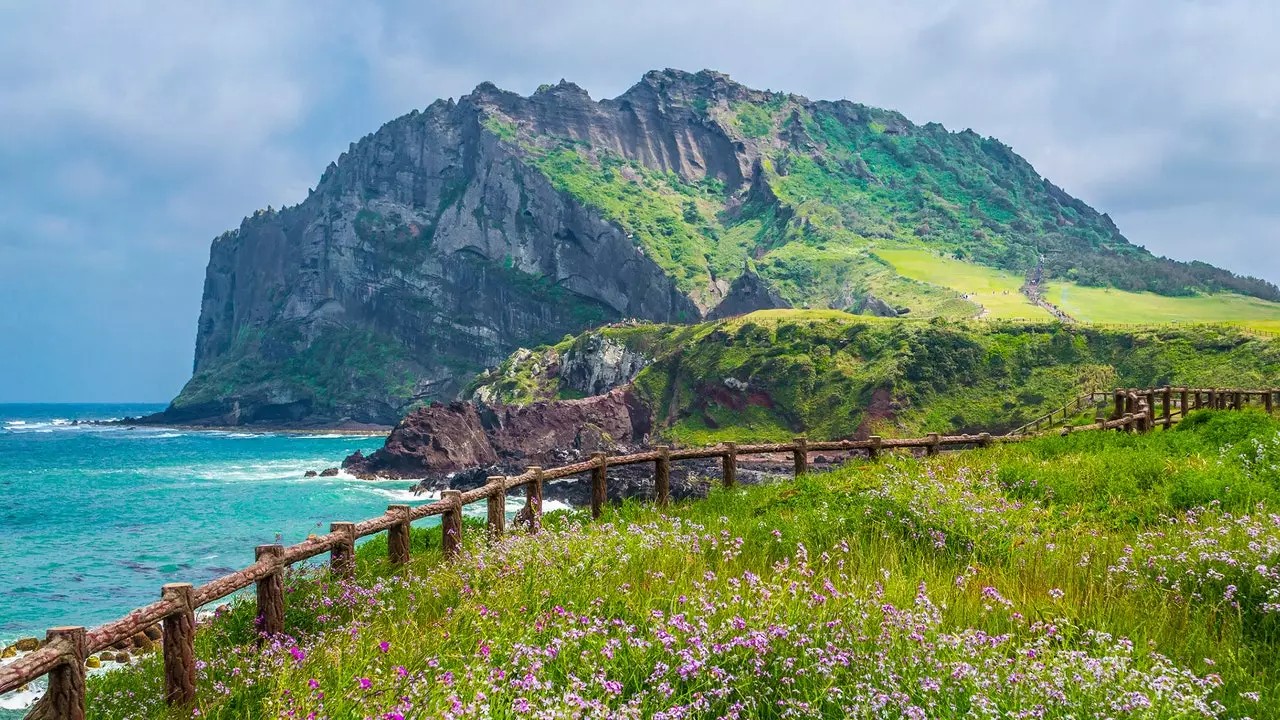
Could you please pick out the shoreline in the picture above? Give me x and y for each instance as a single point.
(362, 430)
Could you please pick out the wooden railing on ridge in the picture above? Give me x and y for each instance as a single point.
(66, 649)
(1068, 411)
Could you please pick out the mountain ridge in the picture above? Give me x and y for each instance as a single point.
(450, 236)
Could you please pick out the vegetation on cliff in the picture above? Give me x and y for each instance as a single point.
(831, 180)
(772, 374)
(456, 234)
(1096, 574)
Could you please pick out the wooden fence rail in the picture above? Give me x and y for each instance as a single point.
(62, 657)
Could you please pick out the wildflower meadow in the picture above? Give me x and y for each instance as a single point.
(1098, 575)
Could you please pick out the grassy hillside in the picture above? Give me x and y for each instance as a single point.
(1107, 305)
(832, 181)
(1099, 575)
(998, 293)
(772, 374)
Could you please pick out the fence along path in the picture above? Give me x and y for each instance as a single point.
(63, 655)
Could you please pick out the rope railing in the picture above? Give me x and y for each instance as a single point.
(62, 657)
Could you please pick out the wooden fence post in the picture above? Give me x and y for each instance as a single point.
(984, 440)
(497, 505)
(178, 643)
(1168, 407)
(800, 456)
(1270, 398)
(932, 447)
(1239, 400)
(1121, 401)
(270, 591)
(662, 476)
(599, 484)
(65, 697)
(533, 499)
(729, 475)
(1151, 411)
(1182, 403)
(451, 524)
(873, 452)
(398, 535)
(342, 558)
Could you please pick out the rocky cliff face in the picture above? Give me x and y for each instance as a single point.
(436, 246)
(429, 251)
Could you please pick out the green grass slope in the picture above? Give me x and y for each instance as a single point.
(998, 294)
(1107, 305)
(832, 181)
(1097, 575)
(772, 374)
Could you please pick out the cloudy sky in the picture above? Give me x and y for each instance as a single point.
(133, 132)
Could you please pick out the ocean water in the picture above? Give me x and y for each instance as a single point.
(94, 519)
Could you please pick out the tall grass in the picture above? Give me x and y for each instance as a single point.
(1092, 575)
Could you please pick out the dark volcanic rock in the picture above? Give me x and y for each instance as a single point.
(748, 293)
(437, 439)
(872, 305)
(440, 440)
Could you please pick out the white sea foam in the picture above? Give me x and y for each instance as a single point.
(25, 698)
(20, 700)
(327, 436)
(402, 495)
(552, 505)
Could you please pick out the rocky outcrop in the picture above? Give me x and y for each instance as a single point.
(437, 439)
(599, 364)
(462, 437)
(871, 305)
(748, 293)
(593, 364)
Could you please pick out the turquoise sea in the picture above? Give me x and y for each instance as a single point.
(94, 519)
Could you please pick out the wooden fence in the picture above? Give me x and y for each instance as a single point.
(66, 649)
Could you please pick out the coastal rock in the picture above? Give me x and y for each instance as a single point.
(153, 633)
(9, 651)
(439, 440)
(122, 658)
(141, 643)
(310, 473)
(329, 472)
(27, 645)
(92, 662)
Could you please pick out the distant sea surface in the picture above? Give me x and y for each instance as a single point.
(94, 519)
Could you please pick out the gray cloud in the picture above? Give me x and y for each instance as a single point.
(137, 130)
